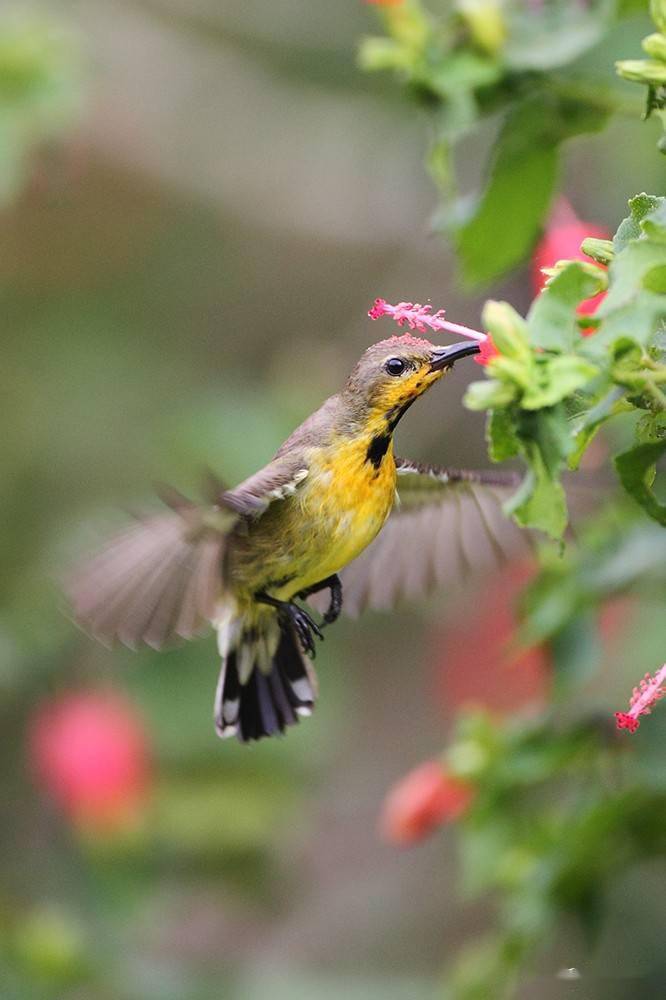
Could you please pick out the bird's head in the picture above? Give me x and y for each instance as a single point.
(394, 372)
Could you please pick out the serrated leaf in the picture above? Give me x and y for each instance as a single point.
(630, 229)
(635, 468)
(552, 318)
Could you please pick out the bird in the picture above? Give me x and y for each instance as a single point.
(334, 519)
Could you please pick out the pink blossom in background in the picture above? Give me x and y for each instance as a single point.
(89, 753)
(561, 241)
(422, 801)
(644, 696)
(419, 317)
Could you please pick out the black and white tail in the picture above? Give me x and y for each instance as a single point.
(266, 683)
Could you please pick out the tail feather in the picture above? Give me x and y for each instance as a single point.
(270, 699)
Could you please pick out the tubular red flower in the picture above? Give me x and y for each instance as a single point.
(646, 693)
(422, 801)
(418, 317)
(89, 753)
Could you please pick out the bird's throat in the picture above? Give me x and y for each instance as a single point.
(381, 439)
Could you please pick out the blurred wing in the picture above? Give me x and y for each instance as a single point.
(447, 525)
(160, 579)
(155, 582)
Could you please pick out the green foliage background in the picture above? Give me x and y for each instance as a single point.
(199, 205)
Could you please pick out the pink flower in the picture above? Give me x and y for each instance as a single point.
(423, 800)
(562, 241)
(644, 696)
(418, 317)
(89, 753)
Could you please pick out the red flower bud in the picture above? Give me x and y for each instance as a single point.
(89, 753)
(422, 801)
(562, 241)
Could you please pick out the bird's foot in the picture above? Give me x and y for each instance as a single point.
(303, 624)
(334, 584)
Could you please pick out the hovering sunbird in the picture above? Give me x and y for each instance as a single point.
(333, 511)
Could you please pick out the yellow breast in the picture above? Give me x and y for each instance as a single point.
(346, 500)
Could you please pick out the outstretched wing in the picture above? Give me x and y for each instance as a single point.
(446, 525)
(160, 579)
(156, 581)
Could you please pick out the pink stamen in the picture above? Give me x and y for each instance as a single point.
(418, 317)
(645, 694)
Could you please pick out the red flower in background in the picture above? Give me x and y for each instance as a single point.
(561, 241)
(89, 753)
(422, 801)
(475, 662)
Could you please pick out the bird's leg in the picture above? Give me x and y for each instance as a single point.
(290, 614)
(334, 584)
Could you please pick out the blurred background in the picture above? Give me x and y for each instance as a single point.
(200, 201)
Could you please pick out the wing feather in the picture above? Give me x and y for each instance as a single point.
(160, 579)
(447, 526)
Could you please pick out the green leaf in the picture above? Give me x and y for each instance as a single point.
(501, 435)
(540, 501)
(629, 228)
(655, 280)
(636, 471)
(635, 305)
(507, 220)
(586, 424)
(552, 318)
(556, 379)
(489, 394)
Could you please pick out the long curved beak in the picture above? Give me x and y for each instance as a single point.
(443, 357)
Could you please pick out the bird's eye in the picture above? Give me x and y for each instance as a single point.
(395, 366)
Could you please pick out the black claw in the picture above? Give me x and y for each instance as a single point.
(334, 584)
(304, 625)
(335, 607)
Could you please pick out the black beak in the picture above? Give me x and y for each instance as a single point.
(443, 357)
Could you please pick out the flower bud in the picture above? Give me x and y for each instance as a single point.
(486, 24)
(601, 251)
(655, 45)
(649, 71)
(422, 801)
(508, 329)
(658, 13)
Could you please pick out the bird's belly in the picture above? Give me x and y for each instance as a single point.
(345, 506)
(339, 510)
